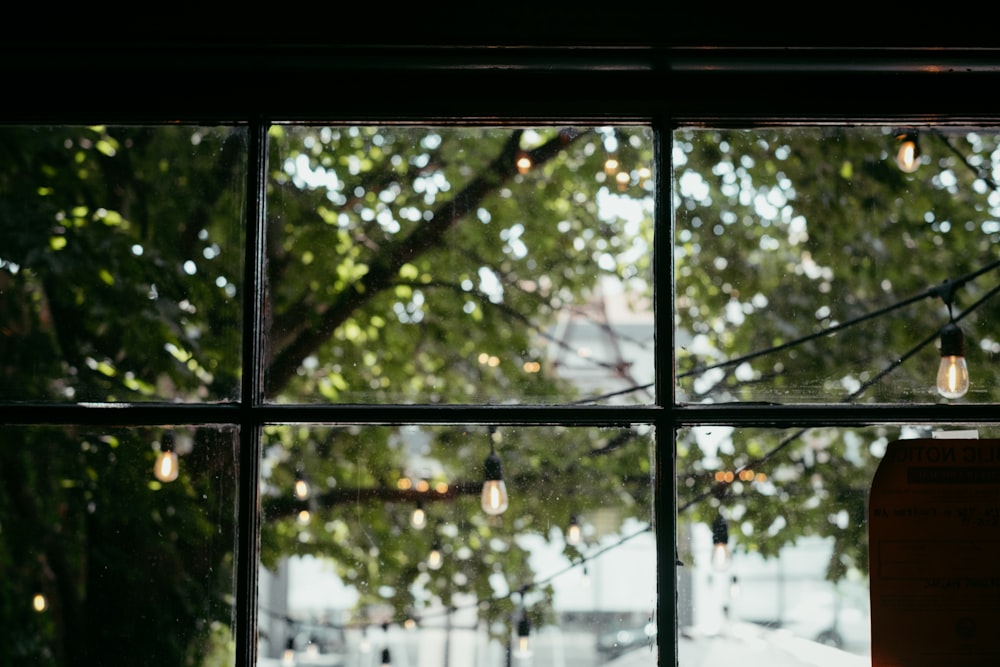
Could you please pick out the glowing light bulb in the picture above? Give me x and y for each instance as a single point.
(523, 649)
(288, 657)
(908, 155)
(166, 467)
(623, 179)
(434, 559)
(573, 532)
(419, 517)
(494, 496)
(301, 486)
(953, 373)
(523, 164)
(39, 603)
(720, 544)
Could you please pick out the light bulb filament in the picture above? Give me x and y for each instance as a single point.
(494, 498)
(953, 377)
(166, 467)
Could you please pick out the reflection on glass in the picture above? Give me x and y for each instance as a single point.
(425, 265)
(809, 268)
(797, 517)
(461, 585)
(121, 263)
(101, 559)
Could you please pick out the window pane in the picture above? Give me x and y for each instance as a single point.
(100, 558)
(784, 234)
(790, 578)
(347, 557)
(430, 265)
(121, 263)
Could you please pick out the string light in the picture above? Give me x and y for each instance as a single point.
(523, 649)
(301, 485)
(908, 154)
(419, 517)
(953, 372)
(166, 467)
(573, 532)
(524, 163)
(720, 543)
(434, 559)
(494, 496)
(288, 657)
(39, 603)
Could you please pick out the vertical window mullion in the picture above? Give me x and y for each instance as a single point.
(664, 475)
(251, 397)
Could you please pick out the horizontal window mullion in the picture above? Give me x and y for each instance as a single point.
(148, 414)
(751, 414)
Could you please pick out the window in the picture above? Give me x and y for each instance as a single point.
(620, 271)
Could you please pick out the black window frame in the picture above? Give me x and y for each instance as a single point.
(661, 85)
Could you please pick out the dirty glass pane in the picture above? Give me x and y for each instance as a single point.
(348, 570)
(774, 542)
(121, 263)
(100, 558)
(460, 265)
(811, 266)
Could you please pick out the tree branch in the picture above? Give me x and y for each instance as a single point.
(384, 269)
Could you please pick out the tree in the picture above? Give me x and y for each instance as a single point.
(420, 265)
(395, 259)
(783, 234)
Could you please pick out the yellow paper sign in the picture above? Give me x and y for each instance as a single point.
(934, 554)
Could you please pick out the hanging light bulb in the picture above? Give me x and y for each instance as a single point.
(573, 532)
(720, 543)
(386, 658)
(953, 373)
(523, 649)
(166, 467)
(524, 163)
(39, 603)
(301, 485)
(434, 559)
(288, 657)
(494, 497)
(419, 517)
(908, 154)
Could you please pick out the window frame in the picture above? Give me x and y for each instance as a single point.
(662, 86)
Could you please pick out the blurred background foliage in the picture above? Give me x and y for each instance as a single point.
(420, 265)
(781, 233)
(402, 265)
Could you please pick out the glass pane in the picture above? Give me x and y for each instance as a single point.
(100, 558)
(811, 267)
(460, 265)
(121, 263)
(376, 538)
(773, 537)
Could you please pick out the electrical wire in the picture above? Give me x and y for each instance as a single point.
(720, 487)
